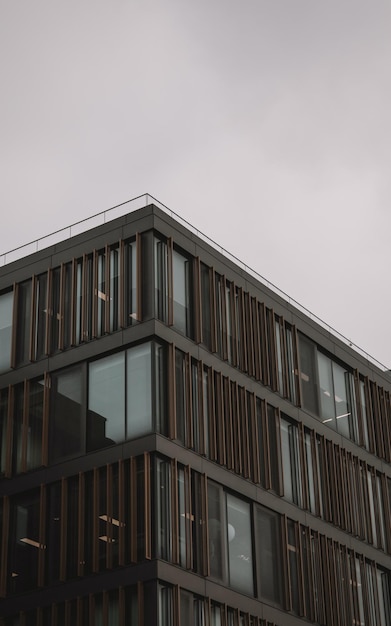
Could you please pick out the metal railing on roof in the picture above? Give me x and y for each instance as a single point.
(144, 200)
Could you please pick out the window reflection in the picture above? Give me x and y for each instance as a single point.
(106, 402)
(67, 413)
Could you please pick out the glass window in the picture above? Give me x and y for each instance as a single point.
(181, 395)
(291, 365)
(261, 443)
(130, 283)
(23, 322)
(269, 561)
(219, 313)
(89, 296)
(115, 278)
(6, 307)
(17, 439)
(66, 414)
(310, 472)
(106, 401)
(206, 307)
(35, 424)
(159, 395)
(54, 311)
(182, 293)
(166, 609)
(25, 544)
(293, 561)
(228, 300)
(364, 414)
(102, 294)
(308, 374)
(161, 280)
(139, 390)
(384, 593)
(290, 454)
(239, 545)
(195, 413)
(273, 449)
(79, 296)
(217, 532)
(67, 308)
(40, 316)
(280, 356)
(163, 509)
(183, 515)
(205, 407)
(53, 533)
(3, 428)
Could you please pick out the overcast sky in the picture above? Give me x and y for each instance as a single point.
(264, 123)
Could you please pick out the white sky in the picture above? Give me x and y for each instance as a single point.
(264, 123)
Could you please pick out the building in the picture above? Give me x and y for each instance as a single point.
(180, 445)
